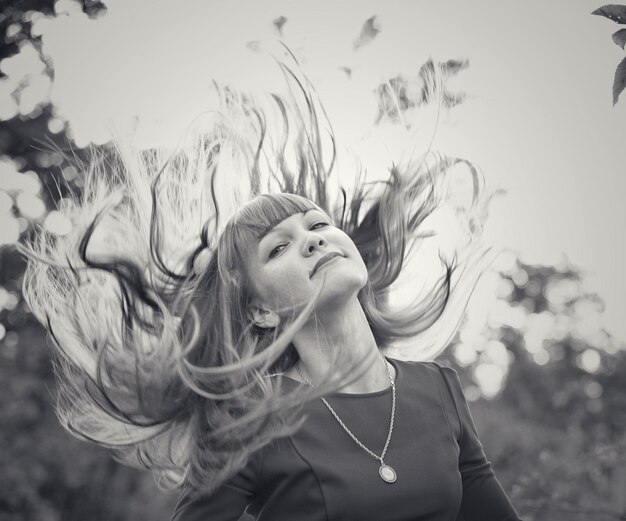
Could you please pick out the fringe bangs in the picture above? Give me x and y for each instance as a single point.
(145, 297)
(264, 212)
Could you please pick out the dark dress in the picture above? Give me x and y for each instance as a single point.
(321, 474)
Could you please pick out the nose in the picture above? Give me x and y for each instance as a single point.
(313, 242)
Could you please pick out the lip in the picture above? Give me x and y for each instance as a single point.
(323, 260)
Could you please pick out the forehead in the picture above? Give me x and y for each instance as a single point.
(263, 214)
(292, 219)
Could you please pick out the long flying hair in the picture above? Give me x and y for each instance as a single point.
(145, 299)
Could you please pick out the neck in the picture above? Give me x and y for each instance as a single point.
(338, 342)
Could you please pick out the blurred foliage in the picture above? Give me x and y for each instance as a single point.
(46, 475)
(554, 431)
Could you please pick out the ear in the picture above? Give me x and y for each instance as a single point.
(262, 316)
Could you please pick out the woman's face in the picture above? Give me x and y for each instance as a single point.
(288, 265)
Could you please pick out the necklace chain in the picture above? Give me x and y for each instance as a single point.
(348, 431)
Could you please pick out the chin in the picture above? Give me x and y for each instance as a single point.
(340, 288)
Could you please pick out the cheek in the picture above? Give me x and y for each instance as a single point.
(358, 269)
(285, 286)
(356, 259)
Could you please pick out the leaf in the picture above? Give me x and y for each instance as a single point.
(455, 66)
(278, 24)
(369, 31)
(620, 80)
(428, 76)
(619, 37)
(617, 13)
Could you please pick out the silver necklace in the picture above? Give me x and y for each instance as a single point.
(386, 472)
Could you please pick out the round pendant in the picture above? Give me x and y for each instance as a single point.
(387, 473)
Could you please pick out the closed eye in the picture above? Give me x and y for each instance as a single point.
(318, 225)
(276, 250)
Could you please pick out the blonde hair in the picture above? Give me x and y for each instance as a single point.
(145, 298)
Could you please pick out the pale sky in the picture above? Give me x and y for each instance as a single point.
(538, 119)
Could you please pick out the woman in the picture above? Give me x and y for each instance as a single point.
(237, 350)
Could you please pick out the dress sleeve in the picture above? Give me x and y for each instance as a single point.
(483, 497)
(226, 503)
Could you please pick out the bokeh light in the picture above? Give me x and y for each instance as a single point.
(12, 31)
(560, 291)
(12, 180)
(30, 206)
(69, 173)
(57, 223)
(34, 94)
(541, 357)
(505, 314)
(539, 327)
(6, 203)
(8, 104)
(593, 390)
(472, 393)
(19, 190)
(589, 360)
(24, 64)
(504, 288)
(490, 378)
(8, 299)
(11, 339)
(56, 125)
(520, 278)
(22, 224)
(506, 262)
(496, 353)
(465, 354)
(9, 231)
